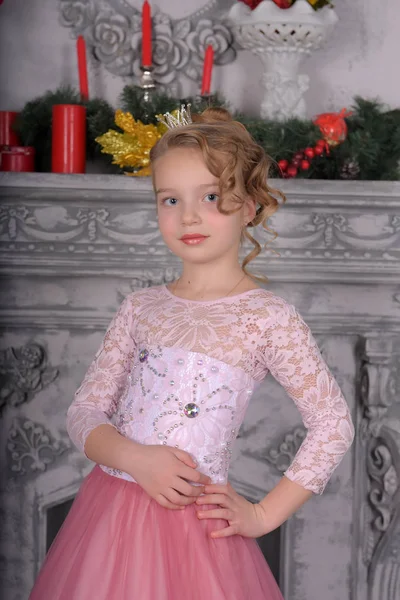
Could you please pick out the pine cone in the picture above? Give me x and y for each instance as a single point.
(350, 169)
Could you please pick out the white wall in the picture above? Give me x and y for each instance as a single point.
(37, 54)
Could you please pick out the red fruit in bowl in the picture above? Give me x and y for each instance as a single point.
(251, 3)
(284, 3)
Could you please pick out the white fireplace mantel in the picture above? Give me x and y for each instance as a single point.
(73, 246)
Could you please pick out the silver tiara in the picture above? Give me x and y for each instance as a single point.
(181, 116)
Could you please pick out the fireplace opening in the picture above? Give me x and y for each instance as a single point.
(55, 517)
(270, 545)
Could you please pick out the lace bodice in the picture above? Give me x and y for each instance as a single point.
(182, 372)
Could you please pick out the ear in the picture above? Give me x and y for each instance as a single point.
(250, 210)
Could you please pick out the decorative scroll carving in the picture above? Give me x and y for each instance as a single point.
(31, 447)
(384, 570)
(23, 373)
(283, 456)
(72, 224)
(113, 31)
(379, 389)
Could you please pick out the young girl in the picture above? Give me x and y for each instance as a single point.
(162, 403)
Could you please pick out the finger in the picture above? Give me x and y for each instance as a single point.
(193, 475)
(216, 513)
(221, 533)
(221, 499)
(185, 488)
(214, 488)
(164, 502)
(185, 457)
(176, 498)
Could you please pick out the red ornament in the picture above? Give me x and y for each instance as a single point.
(304, 165)
(283, 164)
(309, 153)
(291, 171)
(318, 150)
(296, 161)
(298, 155)
(333, 126)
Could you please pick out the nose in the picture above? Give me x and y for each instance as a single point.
(190, 215)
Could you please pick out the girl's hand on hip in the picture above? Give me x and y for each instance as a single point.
(244, 518)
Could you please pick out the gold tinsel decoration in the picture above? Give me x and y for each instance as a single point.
(132, 147)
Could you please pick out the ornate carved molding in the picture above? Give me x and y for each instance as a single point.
(320, 239)
(23, 373)
(112, 30)
(379, 387)
(384, 471)
(31, 448)
(281, 456)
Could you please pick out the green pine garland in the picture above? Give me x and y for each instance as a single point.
(371, 150)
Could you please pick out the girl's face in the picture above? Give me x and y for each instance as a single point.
(189, 220)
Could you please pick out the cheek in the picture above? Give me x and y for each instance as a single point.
(227, 225)
(166, 222)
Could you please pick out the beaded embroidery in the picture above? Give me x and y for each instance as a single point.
(178, 372)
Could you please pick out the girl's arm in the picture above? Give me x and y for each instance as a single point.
(97, 397)
(163, 472)
(290, 353)
(292, 356)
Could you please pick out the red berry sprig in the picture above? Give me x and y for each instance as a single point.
(302, 159)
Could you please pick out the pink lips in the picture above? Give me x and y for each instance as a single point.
(192, 239)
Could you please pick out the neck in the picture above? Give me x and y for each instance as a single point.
(216, 279)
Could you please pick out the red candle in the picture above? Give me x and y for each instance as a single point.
(8, 137)
(146, 34)
(207, 70)
(68, 148)
(18, 158)
(82, 68)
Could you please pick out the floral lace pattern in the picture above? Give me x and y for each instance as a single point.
(255, 333)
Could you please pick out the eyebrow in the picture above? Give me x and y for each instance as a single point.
(201, 186)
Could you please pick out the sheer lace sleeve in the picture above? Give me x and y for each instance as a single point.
(292, 356)
(96, 399)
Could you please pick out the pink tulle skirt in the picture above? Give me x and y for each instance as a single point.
(117, 543)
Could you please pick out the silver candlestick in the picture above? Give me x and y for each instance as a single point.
(147, 82)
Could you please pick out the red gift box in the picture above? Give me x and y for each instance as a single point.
(18, 158)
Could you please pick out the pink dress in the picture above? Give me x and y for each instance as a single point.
(181, 372)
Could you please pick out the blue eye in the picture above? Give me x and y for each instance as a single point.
(170, 201)
(211, 198)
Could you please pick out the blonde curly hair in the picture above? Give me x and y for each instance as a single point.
(241, 165)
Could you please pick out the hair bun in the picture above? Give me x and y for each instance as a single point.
(215, 114)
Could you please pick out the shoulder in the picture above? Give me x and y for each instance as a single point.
(145, 297)
(266, 304)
